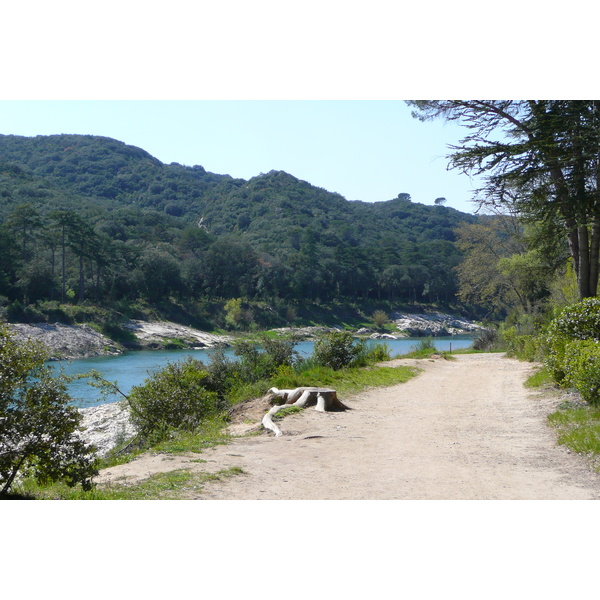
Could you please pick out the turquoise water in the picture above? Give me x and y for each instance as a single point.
(132, 368)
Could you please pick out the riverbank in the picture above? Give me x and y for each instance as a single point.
(106, 426)
(426, 324)
(68, 342)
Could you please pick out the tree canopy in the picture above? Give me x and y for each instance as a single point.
(540, 158)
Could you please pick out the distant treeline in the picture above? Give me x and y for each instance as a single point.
(85, 217)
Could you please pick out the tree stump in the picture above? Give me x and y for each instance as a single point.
(325, 399)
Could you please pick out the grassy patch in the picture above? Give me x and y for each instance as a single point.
(540, 378)
(209, 434)
(578, 429)
(166, 486)
(162, 486)
(346, 381)
(284, 412)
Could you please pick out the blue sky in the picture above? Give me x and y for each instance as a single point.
(364, 150)
(312, 88)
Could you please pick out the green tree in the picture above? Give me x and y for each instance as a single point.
(501, 270)
(38, 426)
(539, 157)
(161, 273)
(176, 397)
(27, 221)
(64, 220)
(84, 243)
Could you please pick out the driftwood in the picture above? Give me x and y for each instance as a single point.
(325, 399)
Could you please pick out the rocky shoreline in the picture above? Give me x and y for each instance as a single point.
(106, 425)
(433, 324)
(408, 325)
(68, 342)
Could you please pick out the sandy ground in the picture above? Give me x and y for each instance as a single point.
(463, 429)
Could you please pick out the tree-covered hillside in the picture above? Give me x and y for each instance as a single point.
(86, 217)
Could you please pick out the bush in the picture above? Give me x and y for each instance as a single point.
(524, 347)
(380, 318)
(175, 397)
(338, 350)
(38, 425)
(262, 361)
(378, 353)
(579, 321)
(486, 340)
(582, 368)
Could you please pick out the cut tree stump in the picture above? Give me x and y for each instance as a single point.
(325, 399)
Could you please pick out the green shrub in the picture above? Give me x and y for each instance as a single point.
(524, 347)
(223, 374)
(378, 352)
(338, 350)
(176, 397)
(486, 340)
(579, 321)
(554, 360)
(380, 318)
(424, 348)
(582, 368)
(261, 361)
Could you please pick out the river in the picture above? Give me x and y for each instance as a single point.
(132, 368)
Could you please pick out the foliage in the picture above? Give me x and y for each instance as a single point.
(378, 353)
(337, 350)
(577, 322)
(580, 321)
(176, 397)
(539, 158)
(486, 340)
(582, 368)
(499, 270)
(380, 318)
(530, 347)
(262, 361)
(38, 426)
(90, 217)
(423, 348)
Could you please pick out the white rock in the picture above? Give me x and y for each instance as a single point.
(106, 425)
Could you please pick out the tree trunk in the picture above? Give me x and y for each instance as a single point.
(594, 257)
(81, 279)
(583, 274)
(64, 275)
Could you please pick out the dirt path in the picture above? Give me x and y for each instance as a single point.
(463, 429)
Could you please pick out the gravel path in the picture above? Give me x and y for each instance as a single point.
(463, 429)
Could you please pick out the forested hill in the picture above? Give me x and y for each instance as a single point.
(135, 227)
